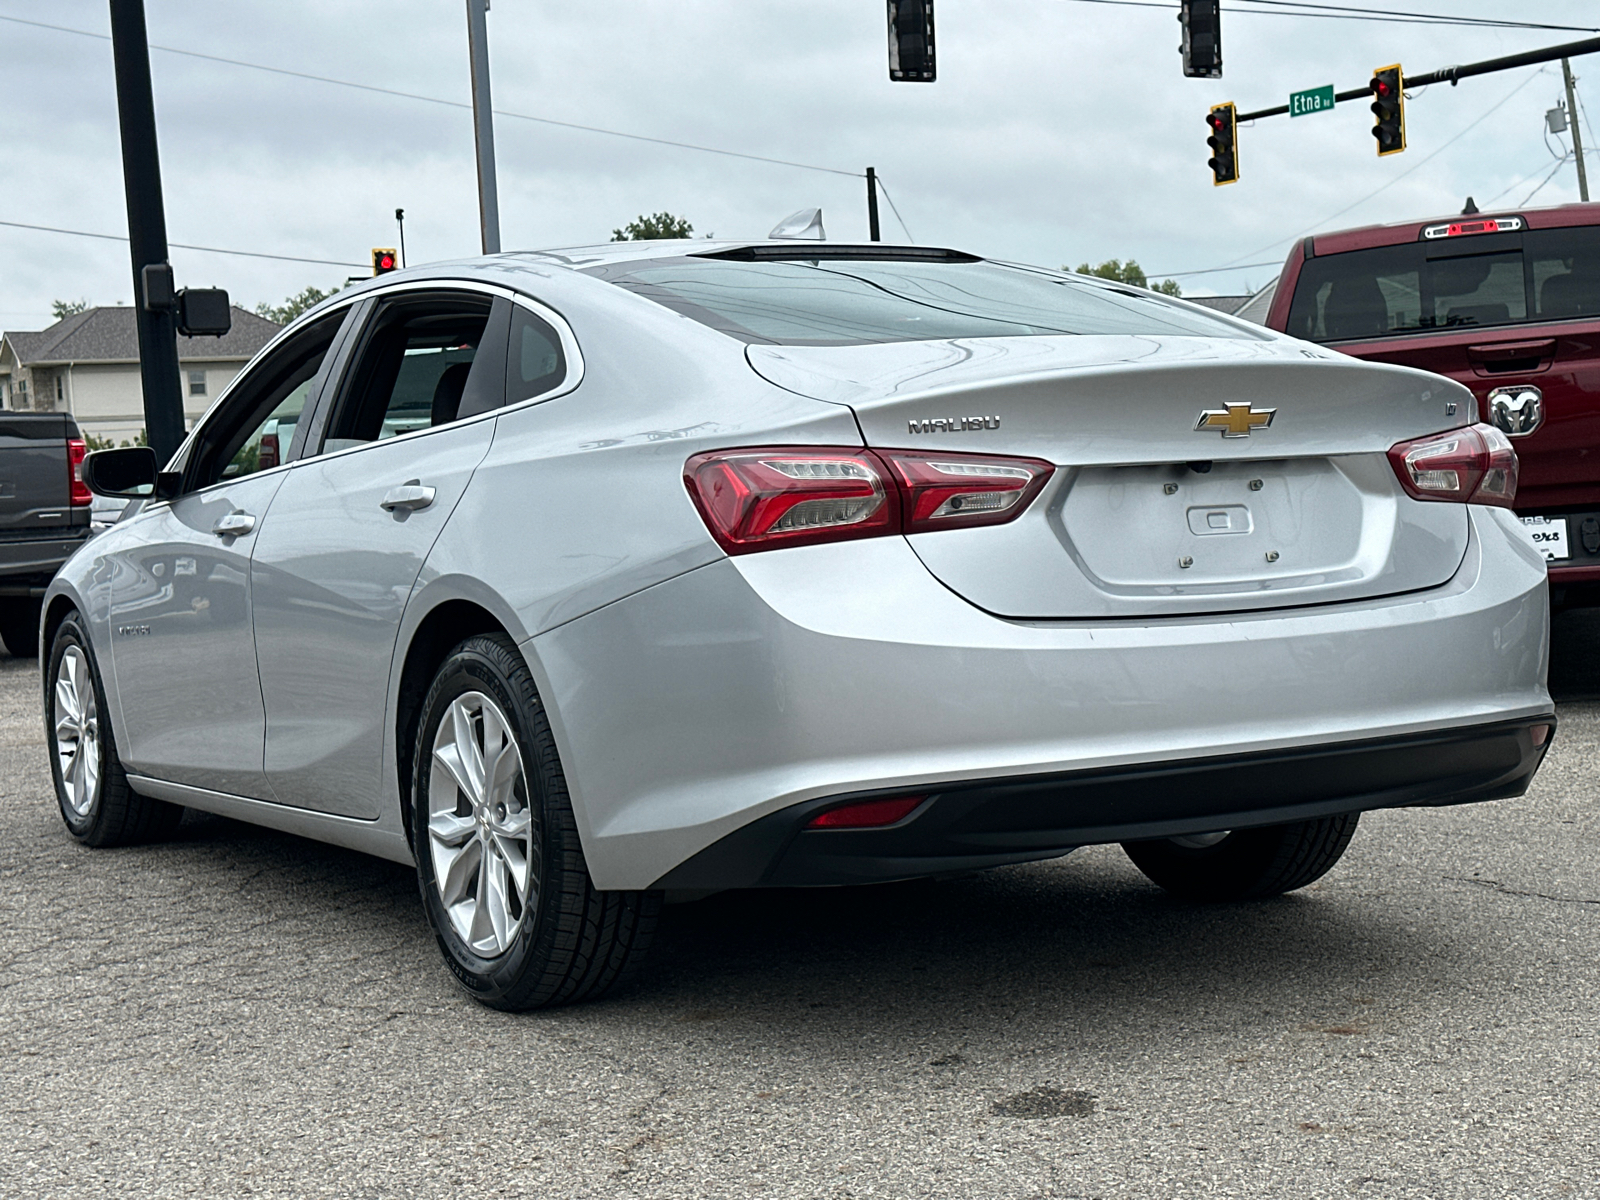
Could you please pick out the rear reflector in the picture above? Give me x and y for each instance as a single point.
(1541, 734)
(867, 814)
(1471, 465)
(77, 490)
(766, 497)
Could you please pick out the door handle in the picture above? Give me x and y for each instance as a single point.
(409, 497)
(234, 524)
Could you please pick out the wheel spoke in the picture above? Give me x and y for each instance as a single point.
(466, 744)
(497, 897)
(515, 862)
(502, 771)
(482, 929)
(449, 757)
(450, 829)
(453, 868)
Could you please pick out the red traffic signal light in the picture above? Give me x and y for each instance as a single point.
(384, 260)
(1224, 142)
(1389, 107)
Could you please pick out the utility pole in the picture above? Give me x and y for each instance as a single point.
(400, 220)
(483, 124)
(1577, 138)
(872, 205)
(153, 292)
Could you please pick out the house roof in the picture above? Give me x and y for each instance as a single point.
(110, 335)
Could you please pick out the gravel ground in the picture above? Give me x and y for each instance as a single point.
(239, 1012)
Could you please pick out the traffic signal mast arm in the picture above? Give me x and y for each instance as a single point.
(1453, 75)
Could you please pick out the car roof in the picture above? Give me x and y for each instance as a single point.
(1367, 236)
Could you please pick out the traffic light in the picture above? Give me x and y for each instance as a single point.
(1223, 120)
(1202, 38)
(1389, 106)
(383, 260)
(911, 57)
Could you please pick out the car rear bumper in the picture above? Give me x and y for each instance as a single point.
(995, 822)
(696, 707)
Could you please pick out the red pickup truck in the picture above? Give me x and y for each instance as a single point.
(1507, 304)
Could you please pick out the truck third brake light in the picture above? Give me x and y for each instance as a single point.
(766, 497)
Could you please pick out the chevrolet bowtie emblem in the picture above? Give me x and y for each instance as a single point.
(1237, 420)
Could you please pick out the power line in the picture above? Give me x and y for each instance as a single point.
(895, 211)
(117, 237)
(1276, 262)
(499, 112)
(1373, 15)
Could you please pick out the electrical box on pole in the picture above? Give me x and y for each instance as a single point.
(1223, 121)
(1389, 107)
(1202, 38)
(911, 57)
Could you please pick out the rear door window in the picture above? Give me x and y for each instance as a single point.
(1481, 282)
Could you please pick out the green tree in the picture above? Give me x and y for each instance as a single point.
(649, 229)
(291, 308)
(1130, 272)
(94, 442)
(67, 308)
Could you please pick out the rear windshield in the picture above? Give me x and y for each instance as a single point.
(1494, 279)
(852, 302)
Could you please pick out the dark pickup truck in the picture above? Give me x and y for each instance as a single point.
(44, 516)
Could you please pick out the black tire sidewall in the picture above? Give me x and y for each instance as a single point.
(473, 667)
(71, 633)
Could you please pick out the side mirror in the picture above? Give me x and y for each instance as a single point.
(126, 474)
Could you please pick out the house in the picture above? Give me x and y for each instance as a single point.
(88, 365)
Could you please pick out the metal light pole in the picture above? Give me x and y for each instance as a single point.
(483, 125)
(400, 219)
(154, 301)
(1577, 138)
(872, 204)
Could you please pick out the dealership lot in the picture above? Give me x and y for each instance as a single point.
(241, 1012)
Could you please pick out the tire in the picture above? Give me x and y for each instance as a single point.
(92, 791)
(558, 940)
(1246, 864)
(19, 626)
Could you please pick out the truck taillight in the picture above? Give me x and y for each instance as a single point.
(766, 497)
(77, 490)
(1471, 465)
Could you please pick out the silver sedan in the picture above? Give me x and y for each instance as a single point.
(582, 578)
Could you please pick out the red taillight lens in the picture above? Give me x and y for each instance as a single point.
(1471, 465)
(77, 490)
(866, 814)
(940, 491)
(761, 499)
(791, 496)
(267, 456)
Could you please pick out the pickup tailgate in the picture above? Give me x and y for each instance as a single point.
(36, 477)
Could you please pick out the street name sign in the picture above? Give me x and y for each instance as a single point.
(1313, 100)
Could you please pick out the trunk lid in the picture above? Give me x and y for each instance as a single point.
(1147, 515)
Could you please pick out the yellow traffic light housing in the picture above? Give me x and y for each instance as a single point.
(1389, 107)
(384, 260)
(1223, 121)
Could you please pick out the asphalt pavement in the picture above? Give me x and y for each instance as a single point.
(238, 1012)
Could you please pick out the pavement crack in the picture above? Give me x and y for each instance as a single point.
(1495, 885)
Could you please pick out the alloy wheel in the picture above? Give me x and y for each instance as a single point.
(480, 827)
(77, 732)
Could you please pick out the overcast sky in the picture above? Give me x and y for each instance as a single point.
(1058, 132)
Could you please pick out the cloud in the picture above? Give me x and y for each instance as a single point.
(1057, 132)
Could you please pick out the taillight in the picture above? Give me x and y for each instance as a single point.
(940, 491)
(791, 496)
(760, 499)
(1471, 465)
(77, 490)
(267, 456)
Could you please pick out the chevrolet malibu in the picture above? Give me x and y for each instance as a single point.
(584, 578)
